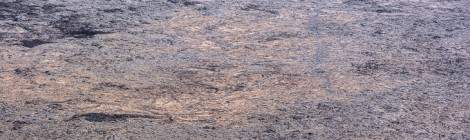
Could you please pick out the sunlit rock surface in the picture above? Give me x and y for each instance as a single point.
(235, 69)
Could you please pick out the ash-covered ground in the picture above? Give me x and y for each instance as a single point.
(234, 69)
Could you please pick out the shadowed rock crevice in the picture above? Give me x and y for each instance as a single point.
(104, 117)
(254, 7)
(33, 43)
(72, 26)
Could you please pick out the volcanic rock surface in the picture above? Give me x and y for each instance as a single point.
(235, 69)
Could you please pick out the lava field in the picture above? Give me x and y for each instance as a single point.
(234, 69)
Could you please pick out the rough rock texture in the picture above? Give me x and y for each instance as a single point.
(235, 69)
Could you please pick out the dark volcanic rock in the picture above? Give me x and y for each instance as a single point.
(33, 43)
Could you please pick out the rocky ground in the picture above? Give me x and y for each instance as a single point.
(234, 69)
